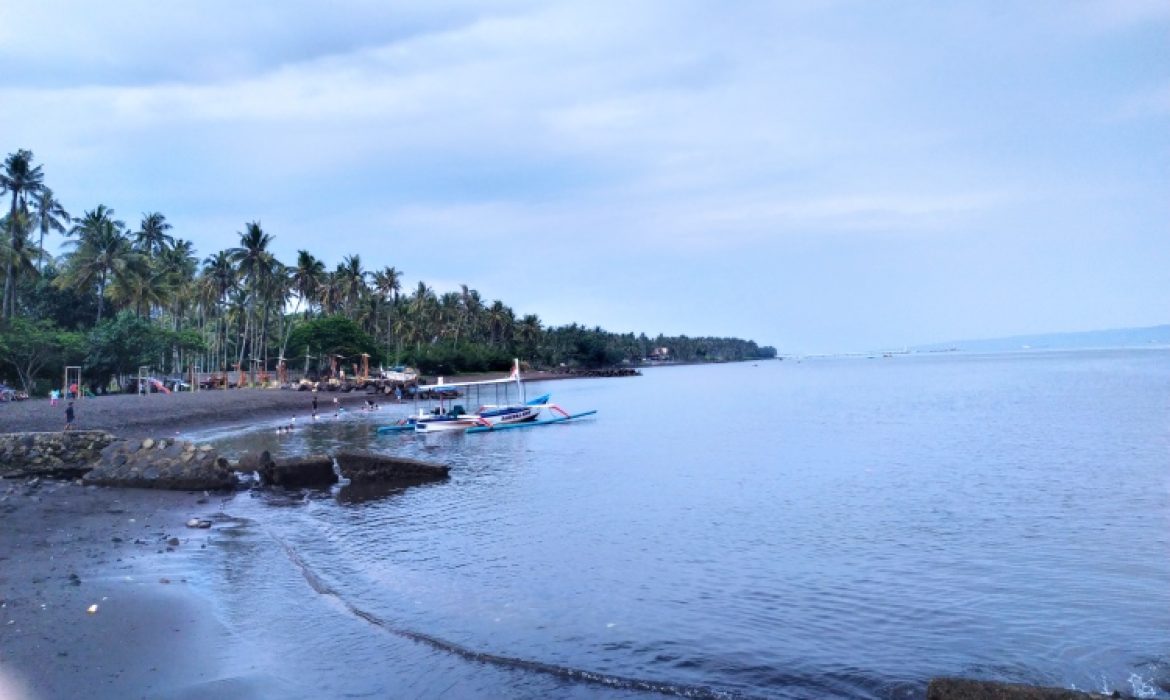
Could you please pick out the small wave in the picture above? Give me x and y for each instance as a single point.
(562, 672)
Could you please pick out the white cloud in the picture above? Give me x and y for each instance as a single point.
(681, 133)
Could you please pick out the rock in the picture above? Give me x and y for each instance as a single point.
(300, 472)
(366, 467)
(964, 689)
(58, 454)
(260, 462)
(122, 464)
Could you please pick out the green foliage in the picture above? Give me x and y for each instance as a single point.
(41, 297)
(30, 348)
(119, 346)
(443, 359)
(332, 335)
(237, 306)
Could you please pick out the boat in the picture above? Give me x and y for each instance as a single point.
(486, 417)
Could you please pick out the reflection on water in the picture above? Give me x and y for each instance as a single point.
(859, 528)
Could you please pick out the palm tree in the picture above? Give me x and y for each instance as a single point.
(217, 279)
(151, 237)
(388, 282)
(51, 216)
(499, 319)
(329, 293)
(17, 258)
(352, 279)
(421, 304)
(22, 180)
(307, 277)
(255, 264)
(528, 332)
(102, 252)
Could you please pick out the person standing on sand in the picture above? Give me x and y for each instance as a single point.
(68, 417)
(53, 397)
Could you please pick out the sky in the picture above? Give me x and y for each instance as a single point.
(819, 176)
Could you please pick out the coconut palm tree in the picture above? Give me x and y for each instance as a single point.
(50, 216)
(101, 252)
(329, 293)
(19, 258)
(352, 279)
(20, 179)
(528, 332)
(178, 264)
(307, 277)
(152, 238)
(255, 263)
(421, 306)
(388, 282)
(499, 318)
(216, 280)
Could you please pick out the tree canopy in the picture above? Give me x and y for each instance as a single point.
(145, 297)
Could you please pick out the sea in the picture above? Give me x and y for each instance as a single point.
(817, 528)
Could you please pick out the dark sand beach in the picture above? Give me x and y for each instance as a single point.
(65, 547)
(160, 415)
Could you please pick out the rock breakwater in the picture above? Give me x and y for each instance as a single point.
(58, 455)
(162, 464)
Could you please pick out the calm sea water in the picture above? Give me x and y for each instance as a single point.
(826, 528)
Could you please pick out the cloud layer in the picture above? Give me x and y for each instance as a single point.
(835, 176)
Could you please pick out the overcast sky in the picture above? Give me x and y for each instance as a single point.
(814, 175)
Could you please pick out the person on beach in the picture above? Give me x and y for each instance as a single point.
(53, 397)
(69, 416)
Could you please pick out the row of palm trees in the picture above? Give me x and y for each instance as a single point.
(242, 302)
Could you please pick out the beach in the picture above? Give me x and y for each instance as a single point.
(159, 415)
(65, 547)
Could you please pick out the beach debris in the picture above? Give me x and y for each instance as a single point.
(173, 542)
(197, 523)
(92, 610)
(74, 580)
(164, 580)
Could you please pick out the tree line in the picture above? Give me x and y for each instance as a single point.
(121, 296)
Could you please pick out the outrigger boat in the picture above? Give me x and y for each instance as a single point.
(487, 416)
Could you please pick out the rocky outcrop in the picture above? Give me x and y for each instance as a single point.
(370, 467)
(301, 472)
(964, 689)
(260, 462)
(295, 472)
(162, 464)
(62, 455)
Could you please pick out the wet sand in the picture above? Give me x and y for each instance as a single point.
(63, 548)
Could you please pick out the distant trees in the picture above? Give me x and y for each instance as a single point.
(117, 299)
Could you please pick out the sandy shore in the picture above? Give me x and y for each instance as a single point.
(157, 415)
(64, 548)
